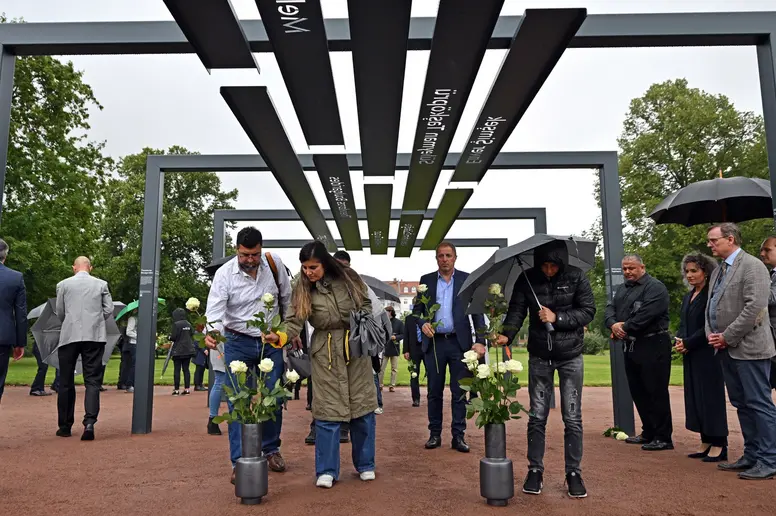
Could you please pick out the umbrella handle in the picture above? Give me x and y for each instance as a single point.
(549, 327)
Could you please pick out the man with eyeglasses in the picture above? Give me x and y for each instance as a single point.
(235, 296)
(768, 256)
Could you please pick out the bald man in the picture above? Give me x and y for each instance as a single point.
(768, 256)
(83, 305)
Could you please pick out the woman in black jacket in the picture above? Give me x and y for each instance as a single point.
(183, 350)
(704, 386)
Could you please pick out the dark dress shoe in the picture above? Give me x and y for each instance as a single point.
(460, 445)
(88, 434)
(344, 436)
(638, 439)
(234, 475)
(310, 439)
(39, 393)
(699, 455)
(434, 441)
(415, 403)
(213, 428)
(658, 445)
(758, 472)
(200, 388)
(103, 389)
(308, 407)
(723, 456)
(276, 463)
(741, 464)
(64, 432)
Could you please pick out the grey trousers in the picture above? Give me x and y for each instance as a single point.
(540, 387)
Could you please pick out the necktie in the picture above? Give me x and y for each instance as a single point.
(722, 274)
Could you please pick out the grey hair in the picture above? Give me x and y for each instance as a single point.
(633, 257)
(3, 250)
(705, 263)
(728, 229)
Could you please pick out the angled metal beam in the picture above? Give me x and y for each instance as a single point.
(298, 37)
(540, 41)
(378, 212)
(598, 31)
(335, 179)
(766, 61)
(458, 242)
(253, 108)
(448, 212)
(461, 35)
(7, 66)
(214, 32)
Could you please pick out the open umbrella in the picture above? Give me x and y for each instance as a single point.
(506, 265)
(118, 306)
(729, 199)
(46, 330)
(133, 306)
(381, 289)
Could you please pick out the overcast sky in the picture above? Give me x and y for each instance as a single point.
(158, 101)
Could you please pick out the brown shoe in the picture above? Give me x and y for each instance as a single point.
(390, 389)
(276, 463)
(234, 475)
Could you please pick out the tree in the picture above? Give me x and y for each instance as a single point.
(187, 236)
(54, 173)
(672, 136)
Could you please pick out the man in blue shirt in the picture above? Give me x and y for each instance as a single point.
(444, 347)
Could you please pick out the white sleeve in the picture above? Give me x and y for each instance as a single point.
(216, 301)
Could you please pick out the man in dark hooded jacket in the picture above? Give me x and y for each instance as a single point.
(566, 302)
(182, 351)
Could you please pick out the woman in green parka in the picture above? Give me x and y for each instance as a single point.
(324, 296)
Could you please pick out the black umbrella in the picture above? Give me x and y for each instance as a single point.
(118, 306)
(381, 289)
(506, 265)
(216, 264)
(729, 199)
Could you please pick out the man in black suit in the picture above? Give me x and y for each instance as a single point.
(13, 315)
(413, 352)
(444, 346)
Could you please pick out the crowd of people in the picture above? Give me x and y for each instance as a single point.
(726, 335)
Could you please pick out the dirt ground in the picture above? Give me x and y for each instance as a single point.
(179, 470)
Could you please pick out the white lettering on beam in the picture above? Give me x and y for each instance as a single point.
(290, 15)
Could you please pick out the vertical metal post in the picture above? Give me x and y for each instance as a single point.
(766, 64)
(219, 237)
(7, 66)
(540, 222)
(143, 402)
(613, 254)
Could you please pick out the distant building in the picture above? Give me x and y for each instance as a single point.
(407, 291)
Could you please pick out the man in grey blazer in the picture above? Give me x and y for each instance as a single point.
(83, 305)
(738, 327)
(768, 256)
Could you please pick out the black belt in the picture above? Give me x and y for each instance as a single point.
(648, 335)
(241, 334)
(450, 335)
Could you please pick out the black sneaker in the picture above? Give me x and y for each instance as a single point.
(212, 428)
(533, 482)
(310, 439)
(576, 485)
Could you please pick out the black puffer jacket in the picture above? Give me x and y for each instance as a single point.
(183, 344)
(567, 294)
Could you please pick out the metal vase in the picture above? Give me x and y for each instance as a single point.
(497, 479)
(251, 473)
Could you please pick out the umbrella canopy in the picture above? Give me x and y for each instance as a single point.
(118, 306)
(212, 267)
(133, 306)
(504, 267)
(46, 330)
(382, 289)
(729, 199)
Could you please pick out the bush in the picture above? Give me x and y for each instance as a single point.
(595, 343)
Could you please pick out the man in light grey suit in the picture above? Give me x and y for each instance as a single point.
(83, 304)
(738, 327)
(768, 256)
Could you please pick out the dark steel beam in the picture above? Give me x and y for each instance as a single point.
(466, 214)
(409, 226)
(461, 35)
(254, 110)
(378, 213)
(766, 61)
(7, 66)
(335, 179)
(540, 41)
(458, 242)
(298, 37)
(449, 211)
(215, 34)
(598, 31)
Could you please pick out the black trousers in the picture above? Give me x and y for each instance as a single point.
(310, 391)
(199, 375)
(39, 383)
(184, 364)
(5, 358)
(648, 368)
(91, 358)
(415, 382)
(128, 357)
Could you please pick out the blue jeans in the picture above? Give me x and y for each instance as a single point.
(448, 354)
(327, 445)
(379, 392)
(749, 391)
(249, 350)
(215, 393)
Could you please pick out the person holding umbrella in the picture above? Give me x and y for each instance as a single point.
(182, 350)
(560, 303)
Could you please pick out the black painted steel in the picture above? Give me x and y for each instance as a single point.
(449, 209)
(378, 213)
(214, 32)
(253, 108)
(298, 37)
(409, 225)
(335, 179)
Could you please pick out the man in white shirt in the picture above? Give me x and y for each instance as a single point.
(235, 296)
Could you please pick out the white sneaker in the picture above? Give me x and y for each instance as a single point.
(379, 410)
(326, 481)
(367, 475)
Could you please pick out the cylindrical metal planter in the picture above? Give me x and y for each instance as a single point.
(251, 473)
(497, 478)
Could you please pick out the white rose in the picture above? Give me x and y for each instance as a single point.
(266, 365)
(499, 367)
(268, 298)
(494, 289)
(422, 288)
(621, 436)
(192, 304)
(483, 371)
(514, 366)
(237, 366)
(470, 356)
(292, 376)
(472, 366)
(414, 375)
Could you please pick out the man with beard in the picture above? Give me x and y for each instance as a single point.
(768, 256)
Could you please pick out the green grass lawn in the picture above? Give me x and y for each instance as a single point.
(597, 371)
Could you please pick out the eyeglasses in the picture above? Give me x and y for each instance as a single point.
(249, 255)
(713, 241)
